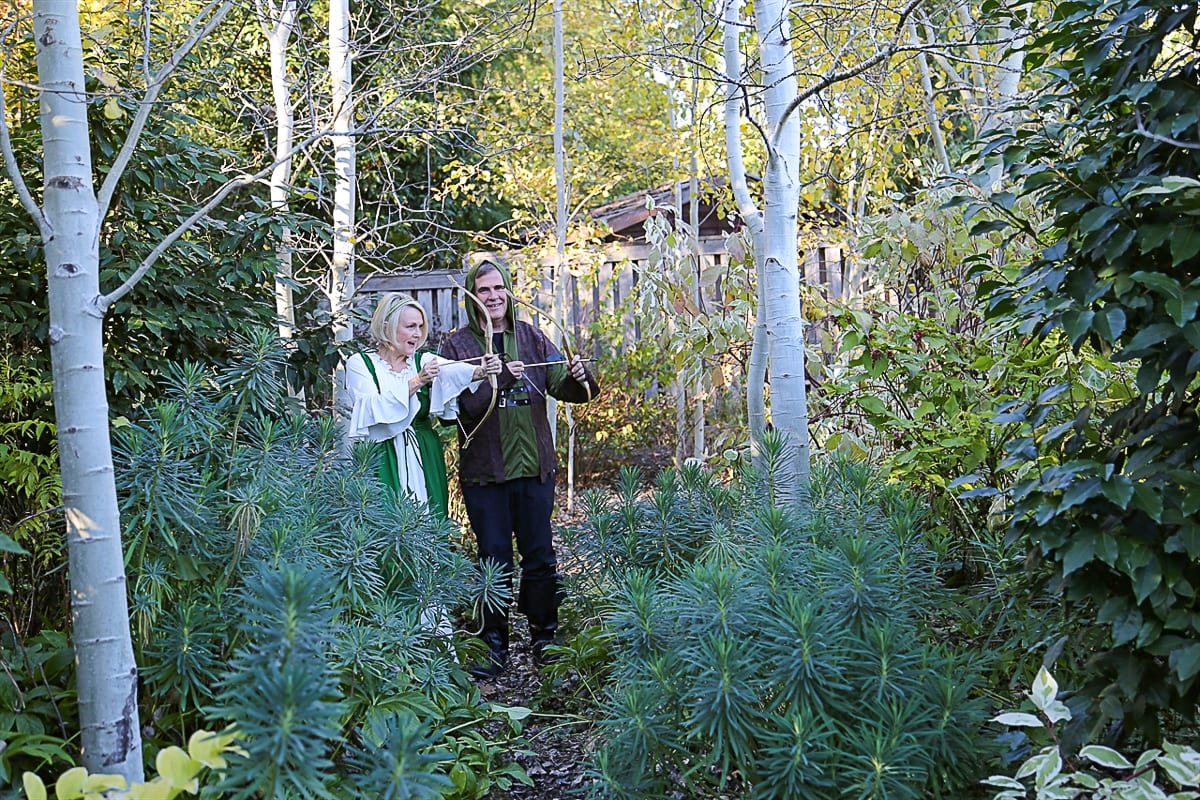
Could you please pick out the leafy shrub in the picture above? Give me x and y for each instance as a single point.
(1098, 770)
(178, 771)
(37, 699)
(793, 655)
(1109, 496)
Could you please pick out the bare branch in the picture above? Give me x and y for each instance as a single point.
(10, 157)
(1158, 137)
(103, 302)
(14, 171)
(216, 11)
(833, 78)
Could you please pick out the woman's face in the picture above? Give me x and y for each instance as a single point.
(408, 330)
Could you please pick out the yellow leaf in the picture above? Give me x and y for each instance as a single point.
(112, 109)
(34, 788)
(69, 785)
(718, 376)
(178, 769)
(105, 78)
(206, 747)
(157, 789)
(101, 783)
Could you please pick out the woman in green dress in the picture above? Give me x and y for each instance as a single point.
(391, 387)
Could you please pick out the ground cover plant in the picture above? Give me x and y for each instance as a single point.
(773, 654)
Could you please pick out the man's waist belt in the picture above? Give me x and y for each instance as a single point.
(510, 402)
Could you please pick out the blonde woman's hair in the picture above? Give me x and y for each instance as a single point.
(386, 318)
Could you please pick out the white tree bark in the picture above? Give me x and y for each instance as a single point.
(345, 170)
(278, 22)
(931, 115)
(752, 218)
(561, 273)
(779, 291)
(70, 225)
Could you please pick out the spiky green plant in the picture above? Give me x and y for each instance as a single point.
(772, 654)
(253, 532)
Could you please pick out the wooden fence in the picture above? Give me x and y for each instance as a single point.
(608, 283)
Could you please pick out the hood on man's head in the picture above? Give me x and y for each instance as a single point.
(472, 273)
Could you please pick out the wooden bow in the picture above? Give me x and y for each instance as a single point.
(488, 349)
(566, 338)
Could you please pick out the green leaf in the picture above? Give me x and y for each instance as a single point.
(102, 783)
(69, 785)
(1148, 578)
(1110, 324)
(1081, 551)
(1016, 719)
(1126, 628)
(1118, 490)
(1186, 661)
(178, 769)
(1164, 284)
(1105, 757)
(1185, 244)
(34, 788)
(1096, 218)
(1079, 492)
(990, 226)
(1151, 335)
(9, 545)
(515, 713)
(873, 405)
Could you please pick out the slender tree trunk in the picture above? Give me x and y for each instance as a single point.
(345, 169)
(278, 23)
(780, 290)
(698, 444)
(341, 278)
(561, 283)
(105, 669)
(756, 369)
(935, 124)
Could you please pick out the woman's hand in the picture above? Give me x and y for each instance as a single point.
(429, 370)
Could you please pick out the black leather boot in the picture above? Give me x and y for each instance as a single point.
(539, 599)
(495, 636)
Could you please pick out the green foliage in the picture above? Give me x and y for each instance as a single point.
(1110, 495)
(791, 656)
(1097, 770)
(620, 423)
(37, 702)
(274, 586)
(280, 690)
(28, 460)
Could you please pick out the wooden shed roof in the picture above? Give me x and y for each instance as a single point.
(626, 215)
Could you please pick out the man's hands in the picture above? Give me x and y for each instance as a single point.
(490, 365)
(574, 367)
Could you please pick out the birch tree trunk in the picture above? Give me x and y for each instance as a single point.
(70, 225)
(752, 218)
(279, 21)
(341, 279)
(560, 226)
(779, 291)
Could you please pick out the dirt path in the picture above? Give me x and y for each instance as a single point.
(559, 742)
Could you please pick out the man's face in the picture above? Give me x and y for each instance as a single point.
(489, 286)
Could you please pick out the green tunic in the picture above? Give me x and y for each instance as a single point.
(433, 459)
